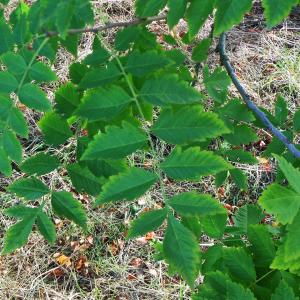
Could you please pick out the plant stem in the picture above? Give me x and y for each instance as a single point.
(264, 276)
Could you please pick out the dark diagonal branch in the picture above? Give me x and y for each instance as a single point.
(261, 115)
(109, 26)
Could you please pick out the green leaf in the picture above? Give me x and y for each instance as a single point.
(176, 11)
(77, 71)
(192, 163)
(181, 250)
(5, 37)
(55, 129)
(247, 215)
(29, 188)
(5, 166)
(242, 135)
(214, 225)
(291, 173)
(280, 201)
(237, 291)
(100, 76)
(67, 99)
(41, 73)
(241, 156)
(146, 222)
(277, 11)
(102, 104)
(46, 227)
(237, 110)
(193, 204)
(20, 211)
(40, 164)
(262, 245)
(150, 8)
(128, 185)
(12, 146)
(140, 64)
(188, 124)
(115, 143)
(126, 36)
(168, 90)
(297, 121)
(239, 264)
(84, 180)
(216, 83)
(220, 178)
(283, 292)
(64, 14)
(33, 97)
(15, 63)
(17, 235)
(64, 205)
(291, 245)
(239, 178)
(200, 52)
(281, 110)
(98, 57)
(8, 83)
(229, 13)
(197, 13)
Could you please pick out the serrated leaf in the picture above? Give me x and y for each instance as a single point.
(168, 90)
(5, 37)
(115, 143)
(128, 185)
(281, 110)
(103, 104)
(40, 164)
(29, 188)
(296, 121)
(237, 291)
(291, 245)
(188, 124)
(181, 250)
(100, 76)
(33, 97)
(241, 135)
(77, 71)
(283, 292)
(216, 83)
(239, 178)
(241, 156)
(126, 36)
(262, 245)
(15, 63)
(291, 173)
(41, 73)
(237, 110)
(17, 235)
(140, 64)
(8, 83)
(64, 14)
(247, 215)
(229, 13)
(98, 57)
(84, 180)
(12, 146)
(67, 99)
(200, 52)
(150, 8)
(64, 205)
(146, 222)
(20, 211)
(192, 163)
(214, 225)
(193, 204)
(46, 227)
(277, 11)
(197, 13)
(239, 264)
(280, 201)
(5, 166)
(176, 11)
(55, 129)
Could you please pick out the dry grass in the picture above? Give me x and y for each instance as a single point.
(103, 265)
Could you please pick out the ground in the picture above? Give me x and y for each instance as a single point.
(103, 265)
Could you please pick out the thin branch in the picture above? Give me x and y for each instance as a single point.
(247, 99)
(109, 26)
